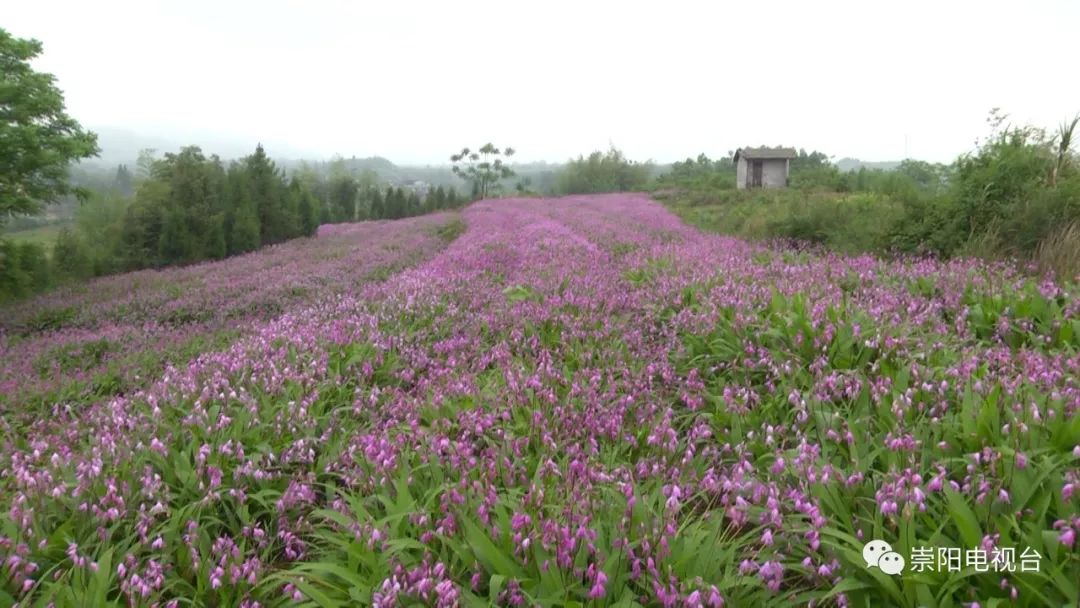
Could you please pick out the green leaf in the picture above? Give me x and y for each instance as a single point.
(489, 556)
(964, 518)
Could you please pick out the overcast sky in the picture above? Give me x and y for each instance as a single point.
(414, 81)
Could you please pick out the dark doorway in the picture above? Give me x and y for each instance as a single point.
(755, 179)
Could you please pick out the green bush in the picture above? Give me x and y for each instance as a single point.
(610, 172)
(24, 269)
(1011, 197)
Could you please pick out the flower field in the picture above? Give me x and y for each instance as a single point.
(95, 339)
(576, 401)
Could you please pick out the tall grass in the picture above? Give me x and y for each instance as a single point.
(1059, 253)
(850, 223)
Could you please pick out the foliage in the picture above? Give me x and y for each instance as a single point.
(699, 174)
(1009, 195)
(24, 269)
(38, 140)
(603, 172)
(850, 223)
(1008, 198)
(483, 169)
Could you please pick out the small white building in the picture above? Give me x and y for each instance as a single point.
(763, 167)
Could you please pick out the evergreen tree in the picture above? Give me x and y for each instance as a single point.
(378, 207)
(266, 187)
(245, 230)
(123, 183)
(343, 193)
(412, 205)
(307, 208)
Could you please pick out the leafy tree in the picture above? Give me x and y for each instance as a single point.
(176, 242)
(70, 256)
(245, 230)
(145, 163)
(600, 172)
(38, 140)
(483, 169)
(13, 279)
(141, 229)
(34, 264)
(214, 245)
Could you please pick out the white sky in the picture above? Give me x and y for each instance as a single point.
(414, 81)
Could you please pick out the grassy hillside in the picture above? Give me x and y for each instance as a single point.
(45, 236)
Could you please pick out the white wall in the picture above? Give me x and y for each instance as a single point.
(740, 173)
(774, 173)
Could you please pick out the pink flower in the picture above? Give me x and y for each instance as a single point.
(1067, 537)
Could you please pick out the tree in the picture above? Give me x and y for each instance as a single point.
(343, 192)
(123, 183)
(603, 172)
(483, 168)
(214, 246)
(307, 208)
(267, 191)
(453, 200)
(38, 140)
(378, 207)
(412, 205)
(69, 256)
(245, 230)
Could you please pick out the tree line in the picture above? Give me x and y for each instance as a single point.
(187, 208)
(349, 198)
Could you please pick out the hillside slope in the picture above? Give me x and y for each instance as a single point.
(579, 401)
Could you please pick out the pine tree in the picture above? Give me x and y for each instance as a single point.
(123, 183)
(401, 203)
(439, 198)
(266, 189)
(378, 208)
(343, 193)
(307, 209)
(412, 205)
(245, 230)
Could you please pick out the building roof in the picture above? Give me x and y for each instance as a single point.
(765, 153)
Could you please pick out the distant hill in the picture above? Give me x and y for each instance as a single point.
(854, 164)
(122, 146)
